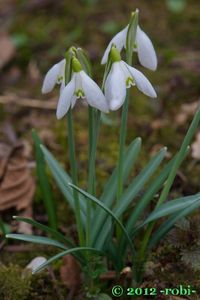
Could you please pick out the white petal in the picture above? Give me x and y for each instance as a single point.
(35, 263)
(93, 93)
(65, 99)
(62, 86)
(146, 52)
(119, 41)
(115, 86)
(50, 79)
(142, 82)
(61, 73)
(73, 101)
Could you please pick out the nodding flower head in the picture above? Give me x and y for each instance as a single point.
(121, 77)
(80, 86)
(54, 75)
(143, 46)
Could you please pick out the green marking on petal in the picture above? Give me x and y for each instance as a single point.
(129, 82)
(59, 79)
(80, 94)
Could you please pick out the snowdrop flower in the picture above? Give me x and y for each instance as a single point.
(53, 76)
(143, 46)
(80, 86)
(36, 263)
(121, 77)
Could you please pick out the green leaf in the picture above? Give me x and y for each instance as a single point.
(135, 186)
(110, 189)
(109, 212)
(35, 239)
(44, 182)
(64, 253)
(171, 207)
(54, 233)
(62, 179)
(180, 157)
(148, 196)
(138, 183)
(169, 223)
(4, 228)
(144, 201)
(176, 6)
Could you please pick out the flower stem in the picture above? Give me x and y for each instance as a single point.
(94, 123)
(74, 175)
(122, 138)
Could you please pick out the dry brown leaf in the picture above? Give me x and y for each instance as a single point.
(196, 147)
(186, 111)
(7, 49)
(70, 272)
(16, 183)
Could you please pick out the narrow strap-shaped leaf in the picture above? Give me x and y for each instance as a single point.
(169, 223)
(44, 182)
(69, 251)
(62, 179)
(110, 190)
(54, 233)
(35, 239)
(109, 212)
(171, 207)
(149, 194)
(144, 201)
(138, 183)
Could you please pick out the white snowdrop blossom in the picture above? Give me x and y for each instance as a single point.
(53, 76)
(36, 263)
(143, 46)
(81, 86)
(121, 77)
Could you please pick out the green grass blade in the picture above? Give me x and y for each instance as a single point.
(169, 223)
(138, 183)
(171, 207)
(35, 239)
(64, 253)
(109, 212)
(110, 190)
(62, 179)
(54, 233)
(44, 182)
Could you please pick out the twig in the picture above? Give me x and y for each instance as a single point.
(28, 102)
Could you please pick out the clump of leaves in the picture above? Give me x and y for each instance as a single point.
(13, 284)
(186, 237)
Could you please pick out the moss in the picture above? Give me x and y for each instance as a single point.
(13, 285)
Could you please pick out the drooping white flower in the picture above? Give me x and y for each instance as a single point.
(80, 86)
(36, 263)
(53, 76)
(121, 77)
(143, 46)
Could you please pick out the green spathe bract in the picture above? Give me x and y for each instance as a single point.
(104, 234)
